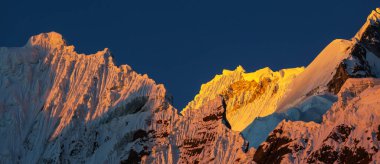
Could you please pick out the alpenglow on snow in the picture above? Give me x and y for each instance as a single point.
(58, 106)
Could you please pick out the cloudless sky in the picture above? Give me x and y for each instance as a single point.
(185, 43)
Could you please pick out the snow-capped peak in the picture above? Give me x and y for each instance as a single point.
(373, 19)
(59, 106)
(46, 40)
(51, 88)
(247, 95)
(317, 74)
(374, 16)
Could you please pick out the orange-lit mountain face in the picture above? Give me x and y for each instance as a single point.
(58, 106)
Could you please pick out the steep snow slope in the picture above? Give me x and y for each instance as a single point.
(59, 106)
(65, 107)
(312, 93)
(318, 74)
(247, 95)
(306, 95)
(350, 131)
(50, 89)
(341, 59)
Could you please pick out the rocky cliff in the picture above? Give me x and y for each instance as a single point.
(58, 106)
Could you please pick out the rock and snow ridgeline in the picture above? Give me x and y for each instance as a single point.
(349, 132)
(66, 107)
(51, 91)
(59, 106)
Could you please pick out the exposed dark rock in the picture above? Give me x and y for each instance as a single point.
(225, 121)
(95, 146)
(354, 155)
(134, 157)
(361, 67)
(329, 154)
(370, 38)
(274, 151)
(211, 117)
(338, 79)
(165, 134)
(77, 148)
(140, 134)
(115, 88)
(195, 151)
(375, 149)
(298, 148)
(358, 67)
(132, 107)
(326, 155)
(340, 133)
(246, 146)
(194, 142)
(359, 52)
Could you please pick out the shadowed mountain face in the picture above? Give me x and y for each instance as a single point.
(59, 106)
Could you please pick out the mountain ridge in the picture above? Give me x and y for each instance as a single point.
(65, 107)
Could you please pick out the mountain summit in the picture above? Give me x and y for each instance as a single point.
(59, 106)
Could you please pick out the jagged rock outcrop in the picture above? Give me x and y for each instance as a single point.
(247, 95)
(346, 134)
(256, 106)
(65, 107)
(59, 106)
(55, 95)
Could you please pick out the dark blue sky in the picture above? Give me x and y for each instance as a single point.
(184, 43)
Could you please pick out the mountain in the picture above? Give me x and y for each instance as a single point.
(306, 94)
(59, 106)
(57, 101)
(247, 95)
(65, 107)
(349, 132)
